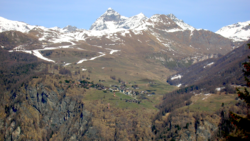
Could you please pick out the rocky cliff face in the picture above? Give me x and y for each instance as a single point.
(203, 131)
(37, 112)
(183, 126)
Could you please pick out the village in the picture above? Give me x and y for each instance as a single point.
(134, 91)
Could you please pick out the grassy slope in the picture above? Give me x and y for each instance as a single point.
(68, 55)
(210, 103)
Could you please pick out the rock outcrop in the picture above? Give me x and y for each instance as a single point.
(37, 112)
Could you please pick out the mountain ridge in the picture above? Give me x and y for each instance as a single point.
(237, 32)
(166, 34)
(126, 23)
(112, 22)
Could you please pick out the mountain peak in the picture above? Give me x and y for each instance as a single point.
(70, 28)
(180, 23)
(111, 11)
(171, 16)
(140, 15)
(157, 18)
(109, 16)
(174, 18)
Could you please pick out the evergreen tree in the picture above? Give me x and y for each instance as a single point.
(242, 123)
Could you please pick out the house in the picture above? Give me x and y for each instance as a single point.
(105, 88)
(129, 92)
(116, 90)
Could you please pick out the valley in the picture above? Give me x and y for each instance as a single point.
(135, 78)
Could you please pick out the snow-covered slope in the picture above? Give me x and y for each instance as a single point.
(7, 25)
(134, 21)
(237, 32)
(180, 23)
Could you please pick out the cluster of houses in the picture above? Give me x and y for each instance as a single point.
(133, 91)
(127, 91)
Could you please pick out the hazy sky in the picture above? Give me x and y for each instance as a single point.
(206, 14)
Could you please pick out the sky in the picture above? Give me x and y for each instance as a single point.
(206, 14)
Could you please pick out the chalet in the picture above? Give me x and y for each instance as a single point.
(77, 83)
(116, 90)
(143, 92)
(105, 88)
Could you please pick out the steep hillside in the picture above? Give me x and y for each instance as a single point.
(13, 39)
(199, 109)
(214, 73)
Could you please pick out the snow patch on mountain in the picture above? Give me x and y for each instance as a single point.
(66, 64)
(112, 50)
(137, 32)
(180, 23)
(123, 33)
(179, 85)
(156, 18)
(208, 65)
(83, 60)
(39, 55)
(174, 30)
(237, 32)
(134, 21)
(93, 58)
(176, 77)
(102, 54)
(219, 88)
